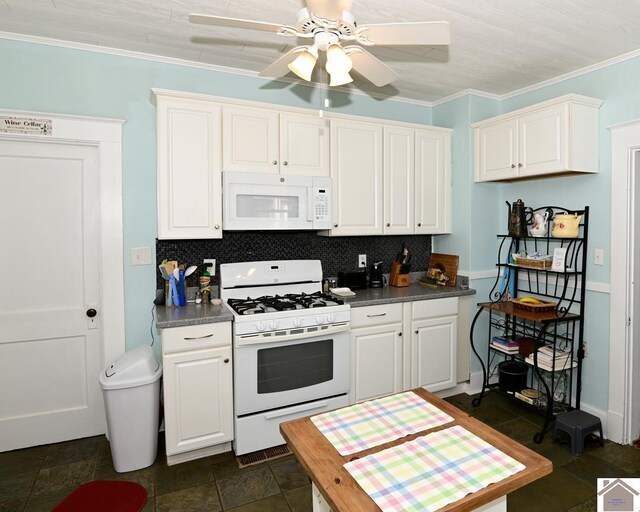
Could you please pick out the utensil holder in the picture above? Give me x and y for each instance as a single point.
(396, 278)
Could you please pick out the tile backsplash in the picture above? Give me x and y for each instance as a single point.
(336, 253)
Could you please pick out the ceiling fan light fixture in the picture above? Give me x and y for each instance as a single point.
(338, 65)
(304, 63)
(340, 79)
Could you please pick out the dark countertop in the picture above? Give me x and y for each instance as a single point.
(195, 314)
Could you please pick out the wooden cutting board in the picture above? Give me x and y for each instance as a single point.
(448, 264)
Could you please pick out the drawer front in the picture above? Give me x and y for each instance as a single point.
(193, 337)
(376, 315)
(435, 307)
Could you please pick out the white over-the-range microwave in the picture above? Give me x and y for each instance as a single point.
(255, 201)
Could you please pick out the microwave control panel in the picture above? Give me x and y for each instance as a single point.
(321, 205)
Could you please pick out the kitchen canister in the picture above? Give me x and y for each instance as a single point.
(566, 225)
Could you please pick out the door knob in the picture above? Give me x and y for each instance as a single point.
(91, 312)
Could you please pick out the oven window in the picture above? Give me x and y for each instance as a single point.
(256, 206)
(294, 366)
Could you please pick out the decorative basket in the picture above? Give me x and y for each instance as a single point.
(544, 306)
(522, 261)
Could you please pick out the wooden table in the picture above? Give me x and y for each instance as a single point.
(341, 493)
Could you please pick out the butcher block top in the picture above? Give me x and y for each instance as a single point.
(444, 437)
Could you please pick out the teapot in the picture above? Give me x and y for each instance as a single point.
(539, 224)
(519, 217)
(566, 225)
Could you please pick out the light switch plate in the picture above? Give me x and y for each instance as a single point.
(141, 256)
(598, 256)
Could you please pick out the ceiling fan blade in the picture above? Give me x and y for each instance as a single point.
(328, 9)
(417, 33)
(280, 66)
(371, 67)
(221, 21)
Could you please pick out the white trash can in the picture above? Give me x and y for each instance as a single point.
(131, 389)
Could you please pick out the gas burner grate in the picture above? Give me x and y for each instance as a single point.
(287, 302)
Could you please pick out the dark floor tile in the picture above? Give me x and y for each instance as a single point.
(13, 505)
(62, 477)
(492, 414)
(590, 468)
(225, 464)
(150, 505)
(247, 486)
(461, 401)
(289, 474)
(199, 498)
(528, 499)
(299, 499)
(518, 429)
(47, 501)
(17, 486)
(564, 488)
(145, 477)
(22, 461)
(588, 506)
(558, 454)
(275, 503)
(181, 476)
(72, 451)
(624, 457)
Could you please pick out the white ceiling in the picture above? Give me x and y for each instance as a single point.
(498, 46)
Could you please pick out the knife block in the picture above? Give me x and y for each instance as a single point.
(396, 278)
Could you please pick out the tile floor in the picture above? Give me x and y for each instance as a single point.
(36, 479)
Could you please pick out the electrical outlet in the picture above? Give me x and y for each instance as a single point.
(211, 263)
(362, 260)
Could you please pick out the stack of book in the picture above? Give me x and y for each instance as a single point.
(505, 344)
(548, 360)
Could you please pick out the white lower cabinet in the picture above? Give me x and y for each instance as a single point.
(395, 347)
(198, 392)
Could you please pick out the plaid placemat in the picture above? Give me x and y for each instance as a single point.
(375, 422)
(431, 471)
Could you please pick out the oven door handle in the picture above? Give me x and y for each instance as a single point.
(294, 410)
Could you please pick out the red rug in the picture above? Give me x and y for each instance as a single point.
(105, 496)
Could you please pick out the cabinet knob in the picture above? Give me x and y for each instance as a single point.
(275, 162)
(388, 224)
(217, 226)
(416, 332)
(419, 224)
(519, 165)
(513, 166)
(285, 163)
(226, 360)
(335, 225)
(399, 334)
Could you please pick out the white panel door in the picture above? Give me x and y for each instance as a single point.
(250, 140)
(544, 137)
(356, 169)
(433, 183)
(496, 148)
(304, 145)
(50, 350)
(433, 353)
(399, 164)
(198, 399)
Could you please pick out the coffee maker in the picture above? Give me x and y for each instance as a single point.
(375, 275)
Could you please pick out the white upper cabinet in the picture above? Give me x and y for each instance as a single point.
(263, 140)
(189, 166)
(399, 178)
(356, 169)
(432, 182)
(555, 137)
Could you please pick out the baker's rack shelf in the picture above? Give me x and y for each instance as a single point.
(556, 376)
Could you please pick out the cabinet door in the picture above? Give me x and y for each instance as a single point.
(376, 361)
(356, 169)
(250, 139)
(433, 182)
(496, 151)
(304, 145)
(543, 141)
(189, 179)
(399, 157)
(198, 399)
(433, 353)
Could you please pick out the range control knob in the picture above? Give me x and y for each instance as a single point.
(331, 317)
(297, 322)
(260, 326)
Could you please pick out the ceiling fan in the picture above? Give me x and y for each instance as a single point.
(329, 24)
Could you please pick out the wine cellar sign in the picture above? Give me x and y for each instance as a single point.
(25, 125)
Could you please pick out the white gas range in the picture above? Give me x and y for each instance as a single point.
(290, 343)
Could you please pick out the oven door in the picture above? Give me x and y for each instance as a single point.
(276, 374)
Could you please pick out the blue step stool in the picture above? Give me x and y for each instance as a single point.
(578, 424)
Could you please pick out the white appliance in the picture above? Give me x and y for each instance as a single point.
(290, 345)
(254, 201)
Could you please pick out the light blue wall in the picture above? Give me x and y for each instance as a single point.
(50, 79)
